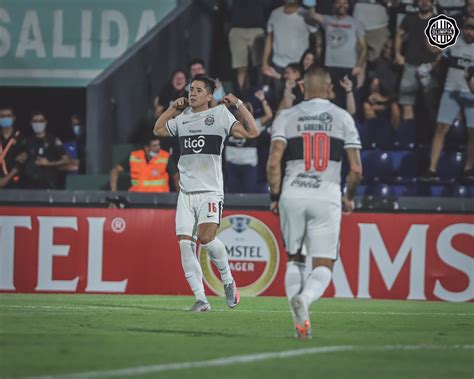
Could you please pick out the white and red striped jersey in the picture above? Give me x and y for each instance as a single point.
(316, 133)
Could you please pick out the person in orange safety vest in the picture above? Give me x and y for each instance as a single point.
(150, 169)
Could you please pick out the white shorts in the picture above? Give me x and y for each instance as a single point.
(316, 222)
(197, 208)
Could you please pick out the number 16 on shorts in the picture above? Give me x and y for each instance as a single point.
(212, 207)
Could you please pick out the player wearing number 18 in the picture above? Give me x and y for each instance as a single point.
(201, 132)
(315, 134)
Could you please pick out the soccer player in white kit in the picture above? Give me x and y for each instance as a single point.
(314, 135)
(201, 132)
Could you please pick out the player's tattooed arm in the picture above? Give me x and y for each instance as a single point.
(277, 148)
(248, 127)
(352, 181)
(355, 173)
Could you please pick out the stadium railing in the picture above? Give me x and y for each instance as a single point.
(98, 199)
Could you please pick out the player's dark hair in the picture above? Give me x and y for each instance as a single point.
(208, 82)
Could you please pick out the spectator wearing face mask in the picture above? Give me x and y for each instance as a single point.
(46, 156)
(12, 149)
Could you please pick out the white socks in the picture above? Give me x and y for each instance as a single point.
(294, 278)
(192, 268)
(316, 284)
(219, 257)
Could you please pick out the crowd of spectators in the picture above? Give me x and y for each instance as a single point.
(383, 70)
(39, 160)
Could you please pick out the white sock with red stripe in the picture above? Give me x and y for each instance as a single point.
(316, 284)
(218, 254)
(192, 268)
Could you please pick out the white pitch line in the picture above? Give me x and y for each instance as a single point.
(138, 308)
(240, 359)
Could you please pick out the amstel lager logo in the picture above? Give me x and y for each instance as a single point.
(253, 255)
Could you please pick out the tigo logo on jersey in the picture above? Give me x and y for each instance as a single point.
(196, 144)
(442, 31)
(253, 255)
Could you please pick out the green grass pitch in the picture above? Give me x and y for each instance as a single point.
(106, 336)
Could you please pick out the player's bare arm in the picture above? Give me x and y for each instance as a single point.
(277, 149)
(248, 128)
(352, 180)
(160, 124)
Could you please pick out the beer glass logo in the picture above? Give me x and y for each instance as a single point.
(253, 255)
(442, 31)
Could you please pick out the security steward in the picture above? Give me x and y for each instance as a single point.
(150, 169)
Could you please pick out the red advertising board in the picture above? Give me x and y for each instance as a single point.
(135, 251)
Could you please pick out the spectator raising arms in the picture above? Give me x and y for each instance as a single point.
(346, 47)
(288, 36)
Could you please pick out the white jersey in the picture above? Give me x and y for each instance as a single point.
(460, 56)
(316, 132)
(201, 140)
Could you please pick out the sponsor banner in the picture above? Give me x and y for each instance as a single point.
(135, 251)
(57, 43)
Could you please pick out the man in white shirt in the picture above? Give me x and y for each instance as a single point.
(287, 38)
(201, 132)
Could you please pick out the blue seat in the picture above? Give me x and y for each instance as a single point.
(459, 190)
(365, 134)
(457, 136)
(405, 135)
(377, 165)
(382, 132)
(400, 190)
(361, 190)
(440, 190)
(71, 149)
(406, 165)
(450, 165)
(378, 190)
